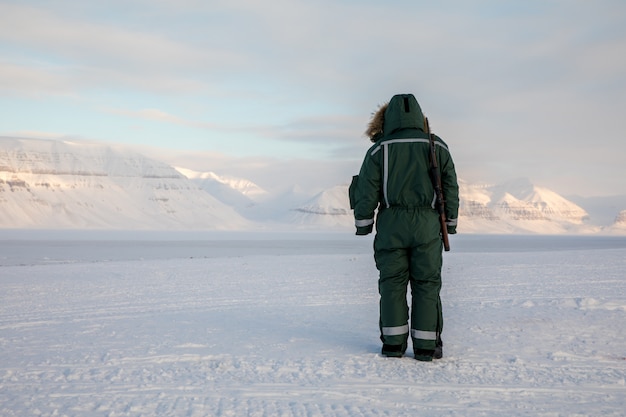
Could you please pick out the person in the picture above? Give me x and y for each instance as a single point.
(395, 181)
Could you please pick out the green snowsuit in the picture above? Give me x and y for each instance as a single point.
(394, 178)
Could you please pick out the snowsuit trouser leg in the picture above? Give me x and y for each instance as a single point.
(426, 312)
(421, 267)
(392, 287)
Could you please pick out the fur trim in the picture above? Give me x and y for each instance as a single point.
(375, 126)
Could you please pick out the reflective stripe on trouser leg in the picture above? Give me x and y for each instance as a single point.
(426, 317)
(395, 331)
(423, 335)
(393, 265)
(392, 286)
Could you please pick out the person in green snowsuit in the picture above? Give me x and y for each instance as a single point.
(394, 179)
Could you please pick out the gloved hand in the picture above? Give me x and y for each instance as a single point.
(451, 226)
(364, 230)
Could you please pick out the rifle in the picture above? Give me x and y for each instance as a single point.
(435, 176)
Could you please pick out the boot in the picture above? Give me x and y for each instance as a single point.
(393, 351)
(438, 353)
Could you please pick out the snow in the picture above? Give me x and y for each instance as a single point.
(245, 187)
(48, 184)
(285, 324)
(64, 185)
(518, 206)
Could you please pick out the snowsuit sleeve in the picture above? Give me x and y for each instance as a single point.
(366, 194)
(450, 188)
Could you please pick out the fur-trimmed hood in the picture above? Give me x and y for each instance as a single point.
(402, 112)
(374, 129)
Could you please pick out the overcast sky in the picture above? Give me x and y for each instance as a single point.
(282, 90)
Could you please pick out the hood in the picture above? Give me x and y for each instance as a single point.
(402, 112)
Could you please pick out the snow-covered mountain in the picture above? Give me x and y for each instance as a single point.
(238, 193)
(602, 209)
(518, 206)
(330, 208)
(247, 198)
(241, 185)
(513, 207)
(619, 225)
(60, 184)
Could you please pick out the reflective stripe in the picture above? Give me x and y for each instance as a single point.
(384, 145)
(363, 223)
(424, 335)
(451, 222)
(409, 140)
(396, 331)
(385, 173)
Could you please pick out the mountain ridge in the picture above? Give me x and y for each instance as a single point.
(64, 184)
(55, 184)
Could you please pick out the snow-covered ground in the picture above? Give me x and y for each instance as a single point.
(235, 324)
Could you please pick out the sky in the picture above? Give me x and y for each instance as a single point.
(281, 92)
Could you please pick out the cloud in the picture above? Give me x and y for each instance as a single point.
(89, 54)
(513, 87)
(330, 130)
(102, 43)
(35, 134)
(33, 80)
(159, 116)
(275, 175)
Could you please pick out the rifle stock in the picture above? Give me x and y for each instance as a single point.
(436, 179)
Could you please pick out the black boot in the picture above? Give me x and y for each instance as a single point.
(424, 355)
(393, 351)
(438, 353)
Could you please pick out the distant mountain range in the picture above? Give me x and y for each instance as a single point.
(64, 185)
(52, 184)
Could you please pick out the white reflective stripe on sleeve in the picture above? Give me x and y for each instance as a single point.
(395, 331)
(363, 223)
(424, 335)
(451, 222)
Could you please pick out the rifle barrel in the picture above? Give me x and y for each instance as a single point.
(436, 178)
